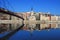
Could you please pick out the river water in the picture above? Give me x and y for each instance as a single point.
(29, 32)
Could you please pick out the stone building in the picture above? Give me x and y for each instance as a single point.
(45, 17)
(54, 18)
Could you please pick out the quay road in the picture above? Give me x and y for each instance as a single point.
(11, 21)
(29, 22)
(40, 22)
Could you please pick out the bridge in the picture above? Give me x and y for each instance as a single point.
(2, 10)
(10, 21)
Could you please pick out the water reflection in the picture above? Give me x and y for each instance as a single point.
(8, 27)
(41, 26)
(11, 27)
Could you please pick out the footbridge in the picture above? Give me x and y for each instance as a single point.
(2, 10)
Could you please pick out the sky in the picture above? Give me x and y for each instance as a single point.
(52, 6)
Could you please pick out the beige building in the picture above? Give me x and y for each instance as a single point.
(9, 17)
(26, 15)
(4, 27)
(31, 17)
(4, 16)
(32, 20)
(45, 17)
(16, 25)
(58, 20)
(54, 18)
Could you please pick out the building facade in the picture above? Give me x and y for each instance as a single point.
(54, 18)
(31, 17)
(45, 17)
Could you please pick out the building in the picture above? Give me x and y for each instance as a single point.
(31, 17)
(8, 27)
(4, 27)
(26, 15)
(32, 20)
(4, 16)
(45, 17)
(54, 18)
(16, 25)
(58, 23)
(37, 15)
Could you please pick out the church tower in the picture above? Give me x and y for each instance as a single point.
(32, 12)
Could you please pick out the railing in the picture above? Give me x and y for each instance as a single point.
(10, 13)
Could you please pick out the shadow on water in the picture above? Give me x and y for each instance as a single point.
(6, 37)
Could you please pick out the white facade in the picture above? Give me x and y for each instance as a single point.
(32, 18)
(54, 18)
(58, 20)
(43, 17)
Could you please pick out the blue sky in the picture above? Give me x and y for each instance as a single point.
(52, 6)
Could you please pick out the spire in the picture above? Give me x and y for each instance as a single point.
(32, 11)
(31, 8)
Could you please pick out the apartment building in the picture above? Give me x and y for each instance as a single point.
(4, 16)
(54, 18)
(37, 16)
(58, 23)
(26, 15)
(9, 17)
(45, 17)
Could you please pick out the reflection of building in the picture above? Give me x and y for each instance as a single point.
(31, 17)
(45, 17)
(15, 26)
(26, 16)
(58, 20)
(54, 18)
(4, 27)
(8, 27)
(37, 15)
(42, 17)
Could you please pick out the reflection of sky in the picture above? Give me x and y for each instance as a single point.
(52, 6)
(37, 35)
(52, 34)
(3, 34)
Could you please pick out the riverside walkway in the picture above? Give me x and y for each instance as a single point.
(29, 22)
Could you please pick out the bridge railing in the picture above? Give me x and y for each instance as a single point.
(10, 13)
